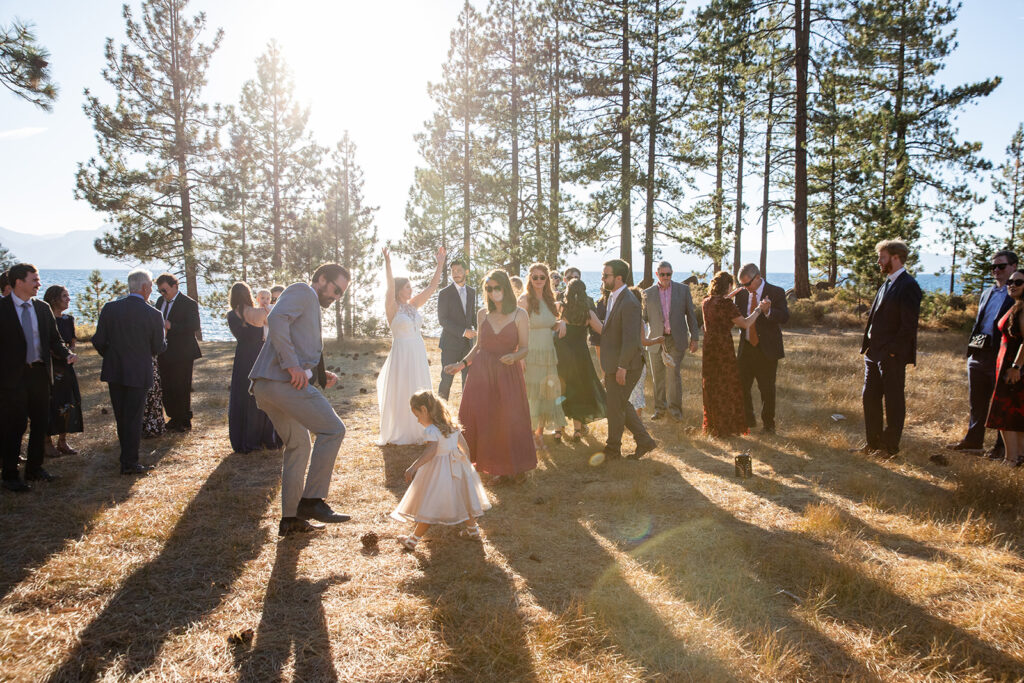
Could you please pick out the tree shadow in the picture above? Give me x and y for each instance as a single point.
(87, 487)
(293, 623)
(219, 532)
(396, 461)
(475, 612)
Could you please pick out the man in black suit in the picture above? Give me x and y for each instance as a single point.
(28, 341)
(622, 360)
(982, 351)
(456, 312)
(181, 322)
(129, 333)
(889, 345)
(760, 346)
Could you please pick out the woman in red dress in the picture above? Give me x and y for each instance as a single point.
(495, 413)
(720, 379)
(1007, 409)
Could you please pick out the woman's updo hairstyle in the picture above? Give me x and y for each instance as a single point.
(721, 283)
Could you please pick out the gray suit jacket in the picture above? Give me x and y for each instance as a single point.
(682, 317)
(620, 338)
(294, 337)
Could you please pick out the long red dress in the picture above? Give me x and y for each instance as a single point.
(720, 378)
(1007, 408)
(495, 413)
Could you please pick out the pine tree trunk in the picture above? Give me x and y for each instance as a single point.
(801, 274)
(766, 187)
(514, 237)
(652, 134)
(553, 206)
(625, 231)
(737, 253)
(717, 202)
(466, 237)
(900, 178)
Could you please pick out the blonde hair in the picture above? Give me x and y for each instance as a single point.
(261, 291)
(437, 409)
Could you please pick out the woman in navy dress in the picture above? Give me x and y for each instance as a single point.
(65, 397)
(249, 428)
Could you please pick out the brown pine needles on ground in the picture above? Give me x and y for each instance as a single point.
(822, 566)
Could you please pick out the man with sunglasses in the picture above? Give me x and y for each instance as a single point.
(281, 384)
(670, 312)
(181, 325)
(761, 346)
(982, 350)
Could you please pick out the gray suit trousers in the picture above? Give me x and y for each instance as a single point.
(295, 415)
(668, 384)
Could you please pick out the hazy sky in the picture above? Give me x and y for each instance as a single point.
(362, 66)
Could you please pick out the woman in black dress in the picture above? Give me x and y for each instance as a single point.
(584, 396)
(1007, 410)
(65, 398)
(249, 428)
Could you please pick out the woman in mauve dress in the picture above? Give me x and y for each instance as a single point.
(495, 413)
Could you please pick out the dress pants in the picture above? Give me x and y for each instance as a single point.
(129, 404)
(295, 415)
(621, 413)
(449, 356)
(884, 380)
(176, 382)
(981, 380)
(755, 365)
(27, 405)
(668, 382)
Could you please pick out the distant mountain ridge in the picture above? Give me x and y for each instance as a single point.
(73, 249)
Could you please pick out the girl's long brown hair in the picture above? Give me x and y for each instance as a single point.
(532, 302)
(1014, 325)
(440, 415)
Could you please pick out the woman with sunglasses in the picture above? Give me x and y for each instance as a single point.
(406, 369)
(543, 386)
(1007, 410)
(495, 413)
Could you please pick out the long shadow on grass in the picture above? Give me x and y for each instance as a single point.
(40, 524)
(217, 534)
(293, 623)
(475, 612)
(396, 461)
(767, 560)
(564, 564)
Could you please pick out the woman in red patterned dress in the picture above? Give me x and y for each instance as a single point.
(720, 379)
(1007, 410)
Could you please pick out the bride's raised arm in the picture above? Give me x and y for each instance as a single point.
(429, 290)
(390, 304)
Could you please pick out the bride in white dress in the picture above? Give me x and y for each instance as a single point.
(406, 369)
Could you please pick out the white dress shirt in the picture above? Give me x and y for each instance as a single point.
(750, 300)
(166, 306)
(611, 302)
(37, 346)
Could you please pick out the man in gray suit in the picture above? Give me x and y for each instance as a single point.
(622, 360)
(281, 384)
(670, 312)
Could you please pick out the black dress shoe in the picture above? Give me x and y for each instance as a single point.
(295, 525)
(137, 468)
(611, 453)
(641, 451)
(962, 446)
(316, 508)
(39, 475)
(995, 453)
(16, 485)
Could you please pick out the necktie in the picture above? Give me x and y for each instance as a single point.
(878, 302)
(26, 327)
(752, 330)
(167, 304)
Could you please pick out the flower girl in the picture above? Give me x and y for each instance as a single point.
(445, 486)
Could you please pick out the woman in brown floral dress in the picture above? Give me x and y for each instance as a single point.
(720, 379)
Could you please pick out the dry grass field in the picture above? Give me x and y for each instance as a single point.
(823, 566)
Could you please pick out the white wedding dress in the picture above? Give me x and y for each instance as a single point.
(405, 372)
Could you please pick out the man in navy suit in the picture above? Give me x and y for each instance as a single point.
(181, 321)
(456, 312)
(760, 346)
(28, 341)
(129, 333)
(889, 345)
(982, 352)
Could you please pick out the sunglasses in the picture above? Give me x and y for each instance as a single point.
(668, 274)
(746, 284)
(999, 266)
(538, 278)
(1015, 282)
(493, 288)
(338, 291)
